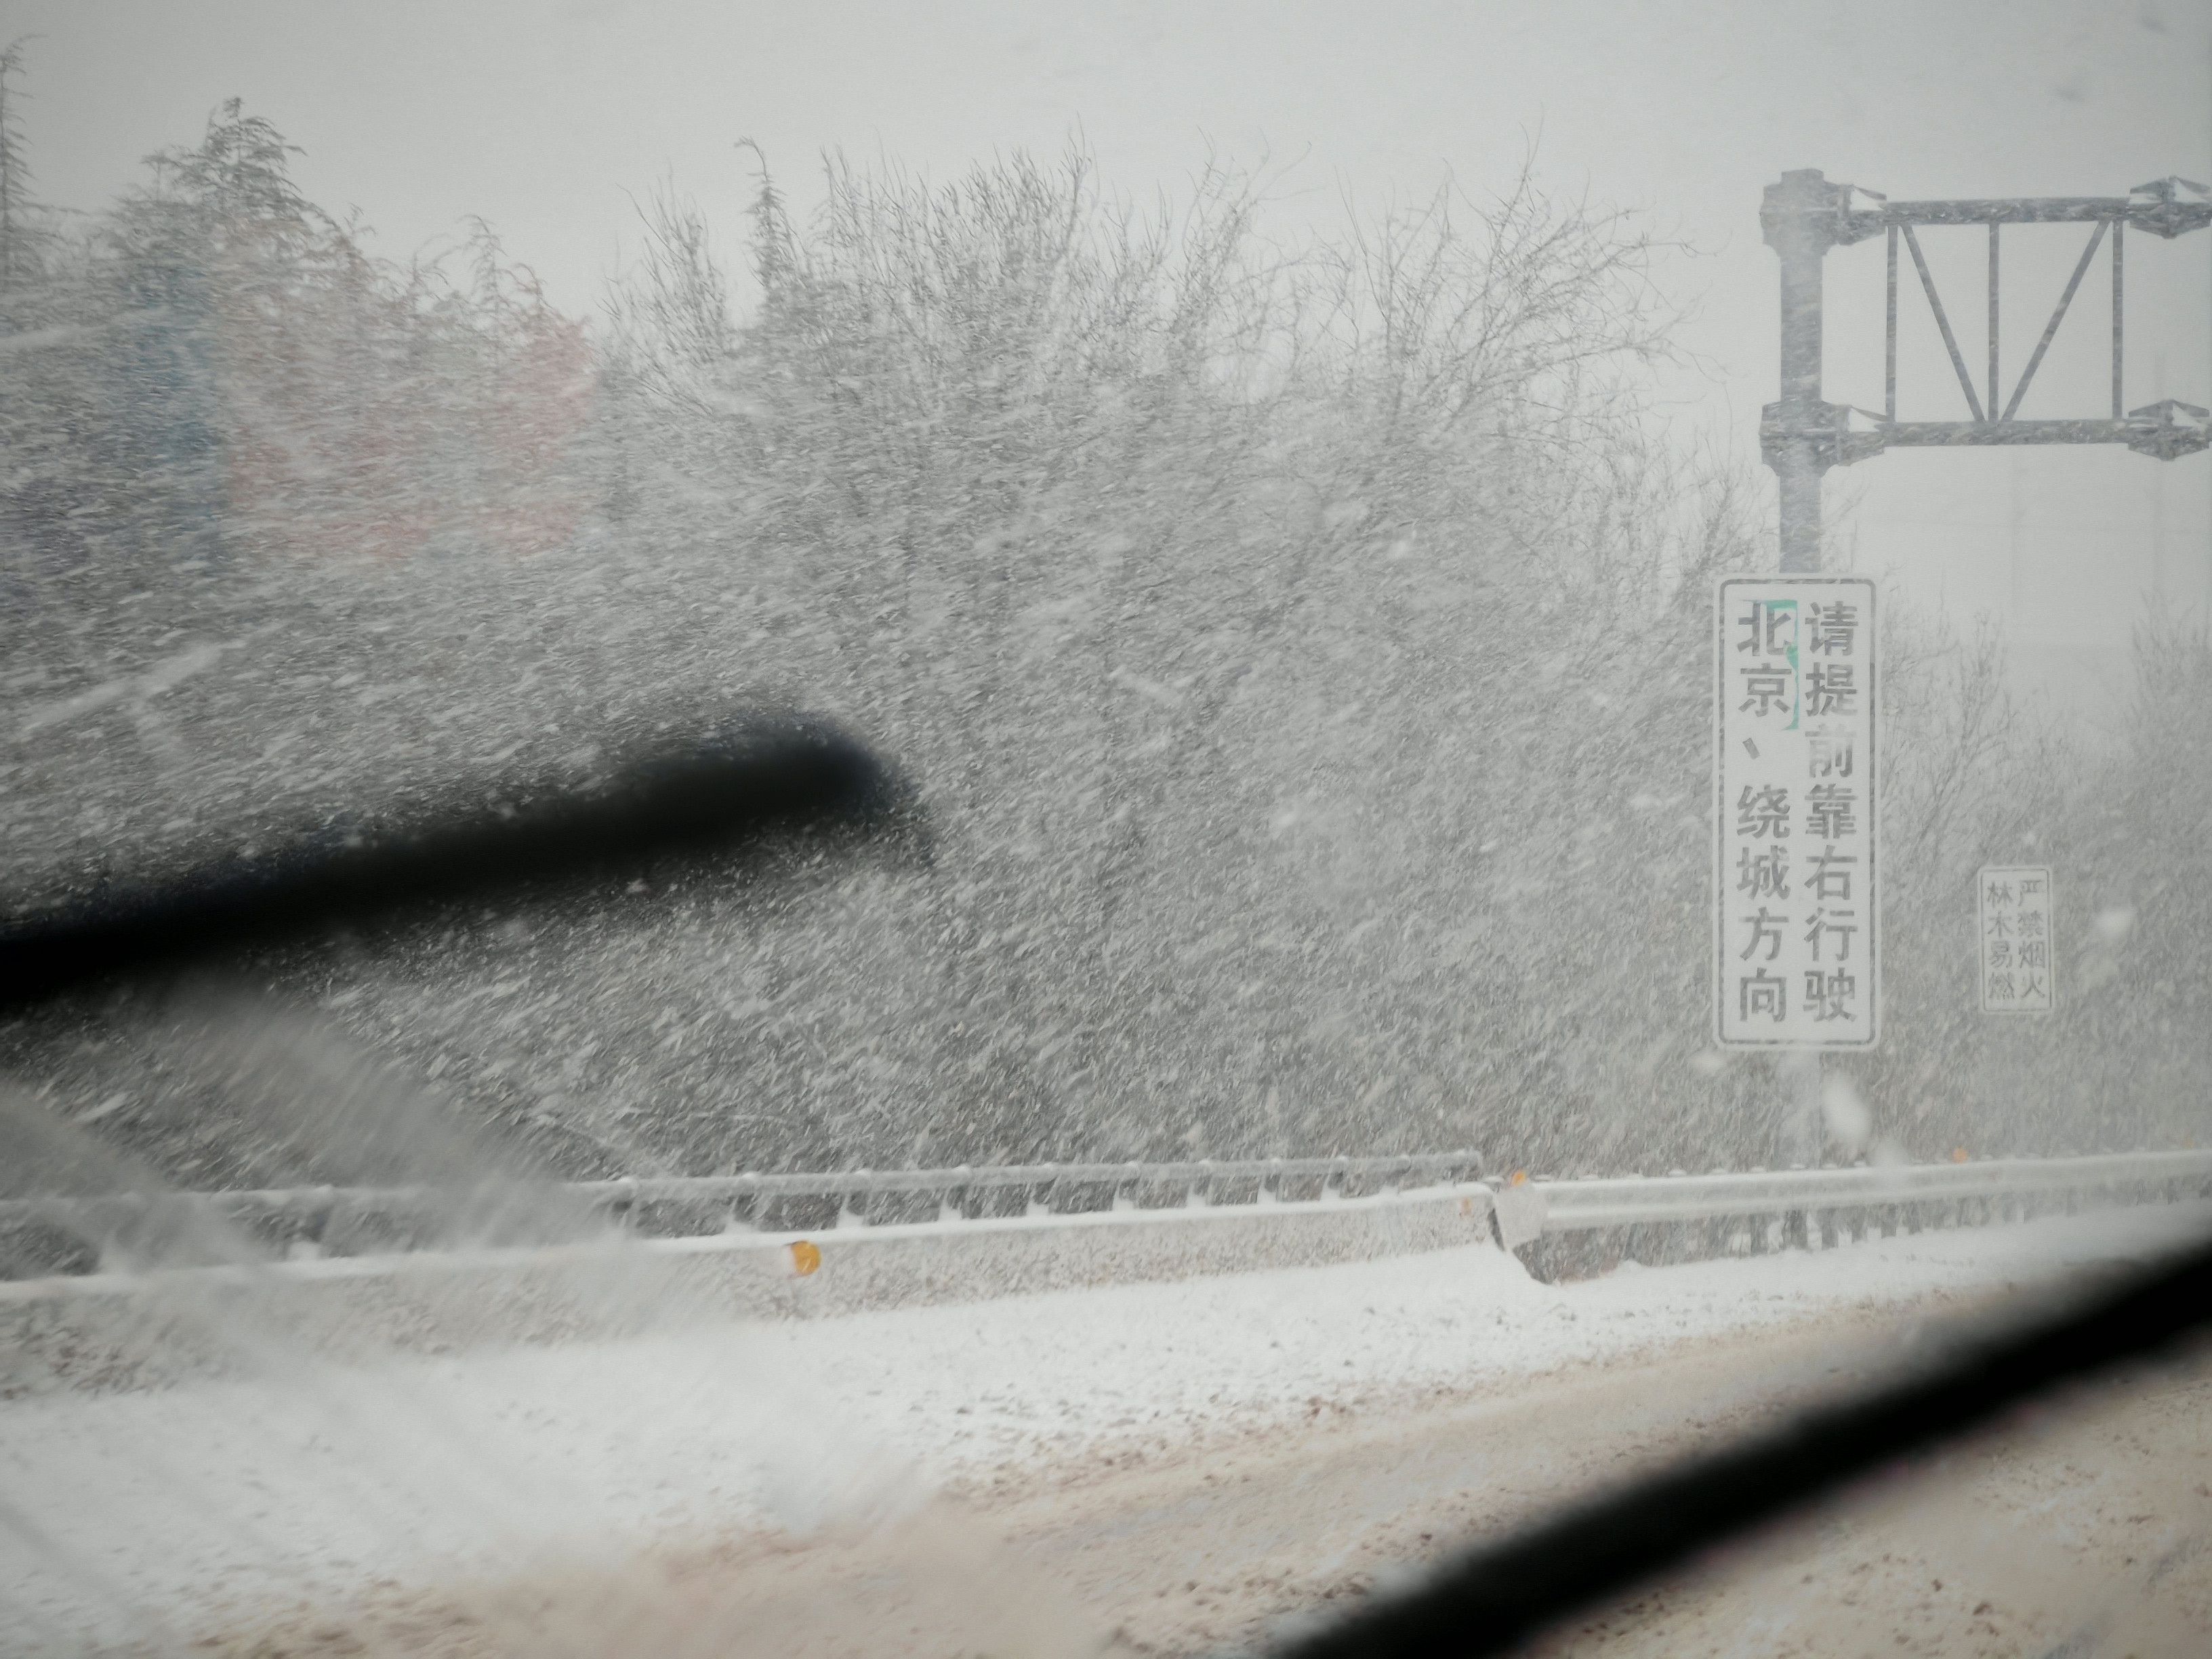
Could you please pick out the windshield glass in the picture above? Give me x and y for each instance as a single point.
(836, 830)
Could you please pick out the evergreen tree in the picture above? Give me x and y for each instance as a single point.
(19, 235)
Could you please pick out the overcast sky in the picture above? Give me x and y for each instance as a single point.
(546, 117)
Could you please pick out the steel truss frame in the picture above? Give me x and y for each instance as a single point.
(1805, 215)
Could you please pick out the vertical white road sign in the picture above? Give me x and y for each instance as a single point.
(2013, 906)
(1796, 950)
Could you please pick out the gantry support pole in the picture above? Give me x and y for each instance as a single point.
(1799, 217)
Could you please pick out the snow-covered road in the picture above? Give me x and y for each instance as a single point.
(163, 1516)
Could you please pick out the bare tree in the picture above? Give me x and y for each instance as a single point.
(20, 236)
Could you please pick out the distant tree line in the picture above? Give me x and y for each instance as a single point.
(214, 364)
(1302, 651)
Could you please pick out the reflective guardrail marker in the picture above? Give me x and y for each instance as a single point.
(1797, 962)
(2012, 910)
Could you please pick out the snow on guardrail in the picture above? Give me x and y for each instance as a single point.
(442, 1291)
(739, 1197)
(1637, 1201)
(1524, 1210)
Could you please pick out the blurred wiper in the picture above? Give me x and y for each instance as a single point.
(324, 1112)
(53, 1173)
(732, 790)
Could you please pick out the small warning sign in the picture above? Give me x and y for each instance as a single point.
(2013, 908)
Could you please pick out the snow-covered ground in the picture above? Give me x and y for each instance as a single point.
(165, 1512)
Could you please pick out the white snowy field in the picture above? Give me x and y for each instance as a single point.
(152, 1516)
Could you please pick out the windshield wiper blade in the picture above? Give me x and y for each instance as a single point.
(1495, 1597)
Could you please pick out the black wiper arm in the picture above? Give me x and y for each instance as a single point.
(720, 794)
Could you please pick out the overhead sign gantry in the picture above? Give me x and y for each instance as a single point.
(1802, 435)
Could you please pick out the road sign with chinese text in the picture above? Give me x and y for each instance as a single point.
(2013, 906)
(1796, 918)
